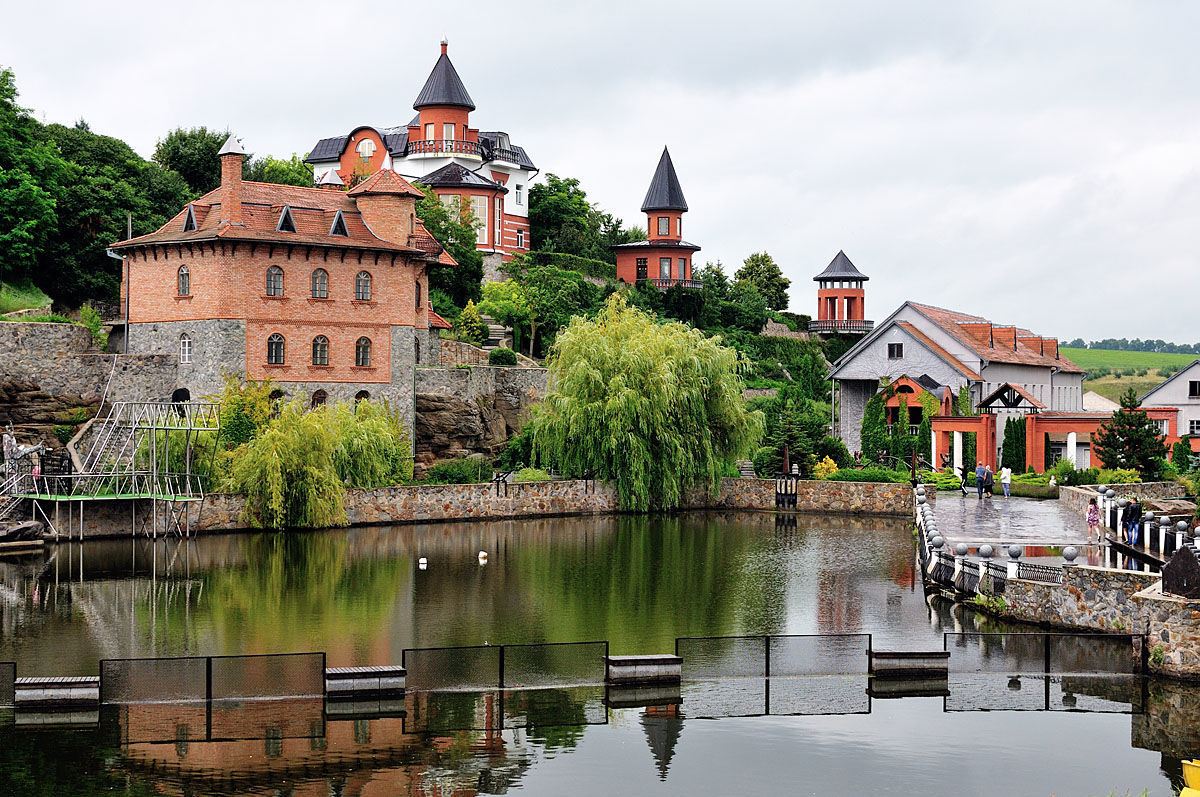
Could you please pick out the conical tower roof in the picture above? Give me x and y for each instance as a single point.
(444, 87)
(840, 268)
(662, 733)
(664, 193)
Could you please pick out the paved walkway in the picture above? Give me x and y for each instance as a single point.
(1002, 521)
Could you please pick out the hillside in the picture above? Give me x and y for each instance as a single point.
(1110, 373)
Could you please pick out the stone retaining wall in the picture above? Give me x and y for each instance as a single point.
(451, 502)
(1091, 598)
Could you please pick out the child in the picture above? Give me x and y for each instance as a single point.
(1093, 520)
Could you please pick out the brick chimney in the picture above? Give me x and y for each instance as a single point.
(445, 45)
(232, 156)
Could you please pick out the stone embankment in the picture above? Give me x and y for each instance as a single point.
(1077, 498)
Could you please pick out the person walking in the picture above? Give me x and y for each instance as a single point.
(1134, 513)
(1006, 479)
(1093, 520)
(962, 480)
(980, 473)
(989, 480)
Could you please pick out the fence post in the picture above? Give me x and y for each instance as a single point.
(208, 698)
(502, 668)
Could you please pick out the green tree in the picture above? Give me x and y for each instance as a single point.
(456, 232)
(874, 437)
(1181, 454)
(761, 271)
(508, 303)
(553, 296)
(267, 169)
(561, 219)
(655, 408)
(1013, 454)
(192, 154)
(1131, 439)
(469, 327)
(746, 308)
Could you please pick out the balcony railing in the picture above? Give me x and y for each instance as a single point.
(912, 430)
(667, 283)
(443, 146)
(505, 154)
(841, 325)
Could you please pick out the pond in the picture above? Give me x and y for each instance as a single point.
(360, 596)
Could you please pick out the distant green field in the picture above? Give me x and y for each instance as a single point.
(1106, 358)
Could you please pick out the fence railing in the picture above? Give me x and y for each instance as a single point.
(1047, 574)
(485, 667)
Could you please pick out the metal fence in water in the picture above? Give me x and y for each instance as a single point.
(212, 698)
(1044, 672)
(496, 709)
(8, 683)
(486, 667)
(774, 674)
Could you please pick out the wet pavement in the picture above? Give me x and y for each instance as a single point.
(1002, 521)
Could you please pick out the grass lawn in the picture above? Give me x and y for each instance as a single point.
(1112, 386)
(14, 298)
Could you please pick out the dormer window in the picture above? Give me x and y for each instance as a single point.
(286, 223)
(366, 148)
(189, 221)
(339, 226)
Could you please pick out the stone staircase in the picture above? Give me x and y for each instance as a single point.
(497, 334)
(746, 469)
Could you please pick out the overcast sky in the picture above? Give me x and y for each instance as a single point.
(1035, 163)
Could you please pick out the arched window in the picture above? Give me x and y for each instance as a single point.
(361, 395)
(185, 348)
(362, 352)
(320, 350)
(274, 281)
(318, 398)
(418, 284)
(362, 286)
(366, 148)
(184, 281)
(275, 349)
(320, 284)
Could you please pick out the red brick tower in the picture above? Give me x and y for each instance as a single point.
(664, 258)
(840, 297)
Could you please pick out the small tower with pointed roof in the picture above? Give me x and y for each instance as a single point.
(664, 258)
(840, 297)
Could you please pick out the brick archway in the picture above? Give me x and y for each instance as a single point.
(984, 428)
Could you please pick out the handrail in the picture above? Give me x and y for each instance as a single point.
(437, 146)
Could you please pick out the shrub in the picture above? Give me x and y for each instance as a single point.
(64, 433)
(518, 451)
(459, 471)
(502, 356)
(870, 475)
(531, 475)
(468, 327)
(91, 319)
(1118, 476)
(825, 469)
(53, 318)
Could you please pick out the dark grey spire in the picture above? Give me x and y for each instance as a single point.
(840, 268)
(444, 87)
(664, 193)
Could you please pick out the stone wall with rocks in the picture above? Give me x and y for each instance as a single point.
(1092, 598)
(464, 411)
(454, 353)
(51, 373)
(826, 497)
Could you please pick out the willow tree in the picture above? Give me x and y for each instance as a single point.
(655, 408)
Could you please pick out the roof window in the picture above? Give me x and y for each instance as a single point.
(286, 223)
(189, 221)
(339, 226)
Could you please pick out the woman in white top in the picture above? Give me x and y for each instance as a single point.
(1006, 479)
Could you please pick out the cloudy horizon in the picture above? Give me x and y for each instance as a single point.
(1034, 165)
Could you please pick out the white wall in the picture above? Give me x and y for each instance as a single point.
(1174, 393)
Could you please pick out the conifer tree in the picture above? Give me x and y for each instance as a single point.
(1131, 439)
(874, 438)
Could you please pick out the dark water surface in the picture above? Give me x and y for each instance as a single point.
(639, 583)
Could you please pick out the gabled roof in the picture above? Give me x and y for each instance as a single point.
(437, 322)
(454, 175)
(1007, 392)
(840, 268)
(385, 181)
(1168, 380)
(665, 192)
(312, 211)
(1020, 354)
(950, 359)
(444, 87)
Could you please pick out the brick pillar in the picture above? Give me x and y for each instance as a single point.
(1035, 445)
(231, 188)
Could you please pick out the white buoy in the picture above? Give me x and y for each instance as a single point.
(423, 563)
(483, 557)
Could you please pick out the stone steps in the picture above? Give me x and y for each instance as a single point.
(746, 469)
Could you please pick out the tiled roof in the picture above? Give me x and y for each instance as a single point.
(665, 192)
(444, 87)
(327, 149)
(660, 243)
(945, 355)
(490, 140)
(437, 322)
(1020, 354)
(386, 181)
(422, 240)
(312, 209)
(840, 268)
(1020, 391)
(454, 175)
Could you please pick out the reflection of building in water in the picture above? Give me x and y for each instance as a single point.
(662, 725)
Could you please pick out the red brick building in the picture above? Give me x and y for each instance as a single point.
(322, 290)
(841, 298)
(664, 258)
(440, 148)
